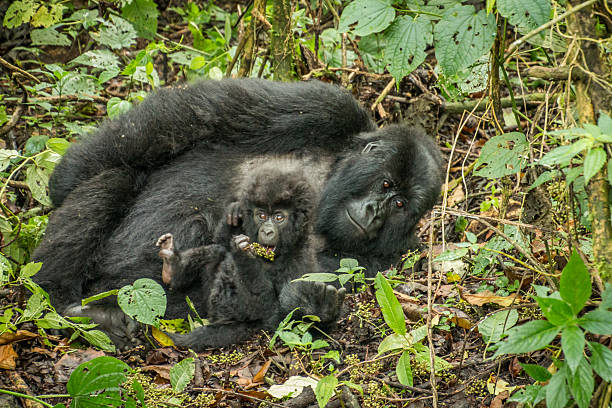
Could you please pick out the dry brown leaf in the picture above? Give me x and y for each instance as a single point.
(456, 196)
(487, 296)
(457, 316)
(66, 365)
(162, 371)
(7, 357)
(19, 335)
(259, 377)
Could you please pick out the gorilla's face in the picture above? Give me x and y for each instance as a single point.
(373, 201)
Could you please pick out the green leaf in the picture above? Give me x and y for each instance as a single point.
(527, 14)
(557, 392)
(102, 59)
(390, 306)
(182, 373)
(597, 321)
(98, 339)
(528, 337)
(318, 277)
(49, 36)
(6, 156)
(371, 16)
(407, 39)
(462, 36)
(536, 372)
(582, 384)
(58, 145)
(116, 34)
(325, 389)
(117, 106)
(593, 162)
(572, 342)
(349, 263)
(143, 15)
(101, 375)
(19, 12)
(30, 269)
(144, 301)
(452, 255)
(35, 144)
(403, 369)
(610, 172)
(37, 179)
(531, 394)
(503, 155)
(563, 154)
(544, 178)
(393, 341)
(575, 286)
(556, 311)
(493, 326)
(46, 17)
(99, 296)
(605, 123)
(601, 360)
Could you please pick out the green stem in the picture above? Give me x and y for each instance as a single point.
(20, 395)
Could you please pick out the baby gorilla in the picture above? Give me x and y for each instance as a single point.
(264, 242)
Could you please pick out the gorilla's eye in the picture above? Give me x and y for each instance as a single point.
(399, 203)
(279, 217)
(262, 216)
(386, 184)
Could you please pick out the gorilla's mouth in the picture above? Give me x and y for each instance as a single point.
(356, 224)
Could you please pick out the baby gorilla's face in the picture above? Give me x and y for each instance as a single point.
(270, 226)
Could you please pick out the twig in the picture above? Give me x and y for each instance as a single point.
(236, 394)
(383, 94)
(513, 47)
(13, 68)
(481, 105)
(557, 73)
(498, 220)
(432, 366)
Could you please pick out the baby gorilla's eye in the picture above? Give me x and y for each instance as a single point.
(399, 203)
(386, 184)
(262, 216)
(279, 217)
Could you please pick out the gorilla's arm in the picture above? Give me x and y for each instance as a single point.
(246, 115)
(312, 298)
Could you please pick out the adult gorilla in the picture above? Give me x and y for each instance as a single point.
(165, 167)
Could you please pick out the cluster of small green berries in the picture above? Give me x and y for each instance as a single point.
(262, 251)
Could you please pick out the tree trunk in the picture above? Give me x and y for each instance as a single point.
(282, 44)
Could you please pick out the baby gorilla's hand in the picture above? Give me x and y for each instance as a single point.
(314, 298)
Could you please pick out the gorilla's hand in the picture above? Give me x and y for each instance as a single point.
(313, 298)
(233, 215)
(122, 330)
(243, 243)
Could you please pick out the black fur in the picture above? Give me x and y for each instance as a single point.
(245, 289)
(168, 165)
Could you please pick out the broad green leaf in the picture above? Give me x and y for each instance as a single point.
(493, 326)
(116, 33)
(597, 321)
(371, 16)
(325, 389)
(593, 162)
(117, 106)
(581, 384)
(85, 16)
(601, 360)
(37, 180)
(528, 337)
(349, 263)
(144, 301)
(451, 255)
(49, 36)
(606, 297)
(462, 36)
(34, 308)
(605, 123)
(58, 145)
(572, 342)
(390, 306)
(536, 372)
(19, 12)
(6, 156)
(30, 269)
(531, 394)
(503, 155)
(98, 339)
(371, 48)
(103, 59)
(563, 154)
(52, 320)
(101, 375)
(143, 15)
(35, 144)
(575, 286)
(556, 311)
(46, 17)
(557, 392)
(421, 356)
(403, 369)
(318, 277)
(407, 39)
(544, 178)
(182, 373)
(393, 341)
(528, 14)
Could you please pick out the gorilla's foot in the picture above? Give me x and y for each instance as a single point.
(122, 330)
(169, 256)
